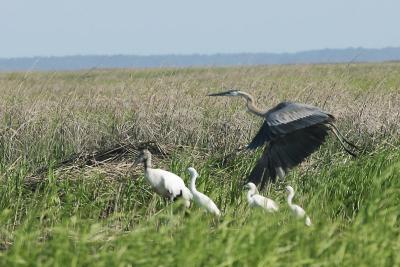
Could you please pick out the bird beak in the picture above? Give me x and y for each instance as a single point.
(226, 93)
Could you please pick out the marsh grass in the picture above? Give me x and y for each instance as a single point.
(106, 215)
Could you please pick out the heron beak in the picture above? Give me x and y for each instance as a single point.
(226, 93)
(216, 94)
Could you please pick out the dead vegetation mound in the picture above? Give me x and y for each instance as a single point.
(113, 162)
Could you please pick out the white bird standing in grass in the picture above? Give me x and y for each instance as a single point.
(256, 200)
(298, 211)
(166, 184)
(198, 197)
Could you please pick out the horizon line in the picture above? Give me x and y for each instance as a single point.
(199, 54)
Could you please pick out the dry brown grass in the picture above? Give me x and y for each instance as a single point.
(49, 116)
(101, 214)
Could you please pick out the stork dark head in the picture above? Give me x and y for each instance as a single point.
(143, 156)
(227, 93)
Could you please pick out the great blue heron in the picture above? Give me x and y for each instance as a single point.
(199, 198)
(165, 183)
(298, 211)
(293, 131)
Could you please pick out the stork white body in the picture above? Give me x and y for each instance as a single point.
(256, 200)
(164, 183)
(168, 184)
(298, 211)
(199, 198)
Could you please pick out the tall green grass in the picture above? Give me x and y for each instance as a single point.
(90, 222)
(106, 215)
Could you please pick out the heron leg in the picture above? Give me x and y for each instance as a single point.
(338, 133)
(339, 136)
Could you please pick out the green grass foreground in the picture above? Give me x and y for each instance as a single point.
(354, 208)
(106, 215)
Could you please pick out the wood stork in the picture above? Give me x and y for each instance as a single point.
(199, 198)
(256, 200)
(297, 210)
(166, 184)
(292, 130)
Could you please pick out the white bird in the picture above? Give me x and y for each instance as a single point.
(198, 197)
(256, 200)
(298, 211)
(166, 184)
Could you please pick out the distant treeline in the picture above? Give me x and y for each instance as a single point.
(129, 61)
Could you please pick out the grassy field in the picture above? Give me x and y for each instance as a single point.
(104, 214)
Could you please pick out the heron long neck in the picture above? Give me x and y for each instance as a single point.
(193, 183)
(147, 162)
(251, 105)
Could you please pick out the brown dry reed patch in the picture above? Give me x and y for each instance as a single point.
(48, 116)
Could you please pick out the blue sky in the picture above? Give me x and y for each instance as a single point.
(55, 28)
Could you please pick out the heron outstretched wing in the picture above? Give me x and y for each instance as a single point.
(286, 152)
(292, 130)
(286, 118)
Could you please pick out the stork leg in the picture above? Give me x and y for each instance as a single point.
(173, 198)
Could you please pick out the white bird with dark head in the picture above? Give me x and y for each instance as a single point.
(298, 211)
(199, 198)
(256, 200)
(166, 184)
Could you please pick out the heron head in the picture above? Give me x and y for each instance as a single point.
(193, 172)
(226, 93)
(143, 156)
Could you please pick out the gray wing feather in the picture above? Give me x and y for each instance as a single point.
(287, 152)
(286, 118)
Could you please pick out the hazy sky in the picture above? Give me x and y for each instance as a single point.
(70, 27)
